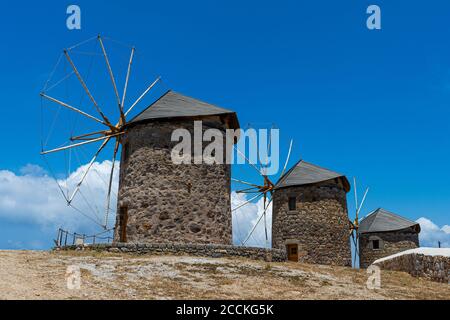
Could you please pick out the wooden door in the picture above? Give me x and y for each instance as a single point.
(292, 252)
(123, 216)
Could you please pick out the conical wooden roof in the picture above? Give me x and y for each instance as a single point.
(304, 173)
(382, 220)
(173, 105)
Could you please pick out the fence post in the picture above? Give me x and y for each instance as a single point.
(57, 238)
(74, 237)
(60, 237)
(65, 240)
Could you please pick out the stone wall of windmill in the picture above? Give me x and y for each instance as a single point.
(161, 202)
(318, 226)
(387, 243)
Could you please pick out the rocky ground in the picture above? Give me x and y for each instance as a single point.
(42, 275)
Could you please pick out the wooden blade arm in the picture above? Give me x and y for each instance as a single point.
(80, 144)
(142, 95)
(111, 75)
(77, 189)
(127, 77)
(244, 182)
(287, 159)
(243, 155)
(247, 202)
(83, 84)
(87, 135)
(362, 202)
(257, 222)
(72, 108)
(108, 197)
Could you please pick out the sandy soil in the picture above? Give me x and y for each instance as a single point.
(42, 275)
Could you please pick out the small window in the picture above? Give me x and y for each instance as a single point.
(375, 244)
(292, 203)
(293, 250)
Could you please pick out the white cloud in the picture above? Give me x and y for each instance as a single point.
(34, 197)
(246, 217)
(446, 229)
(431, 234)
(32, 170)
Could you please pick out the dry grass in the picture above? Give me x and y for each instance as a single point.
(41, 275)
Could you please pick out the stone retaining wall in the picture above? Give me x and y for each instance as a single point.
(209, 250)
(436, 268)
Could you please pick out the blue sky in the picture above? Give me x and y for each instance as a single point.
(370, 104)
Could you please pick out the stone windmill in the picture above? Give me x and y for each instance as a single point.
(160, 201)
(383, 233)
(310, 215)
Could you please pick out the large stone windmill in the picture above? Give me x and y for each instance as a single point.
(158, 201)
(163, 202)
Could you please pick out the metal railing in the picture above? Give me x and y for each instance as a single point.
(65, 238)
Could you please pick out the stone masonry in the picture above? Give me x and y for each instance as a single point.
(435, 268)
(209, 250)
(166, 202)
(390, 243)
(319, 226)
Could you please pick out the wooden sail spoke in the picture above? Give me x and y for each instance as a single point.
(88, 136)
(111, 75)
(80, 144)
(244, 182)
(72, 108)
(360, 206)
(247, 202)
(127, 79)
(249, 162)
(257, 222)
(249, 190)
(83, 84)
(287, 159)
(108, 197)
(77, 189)
(142, 95)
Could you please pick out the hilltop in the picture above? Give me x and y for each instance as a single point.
(42, 275)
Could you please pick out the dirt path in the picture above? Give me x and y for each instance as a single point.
(42, 275)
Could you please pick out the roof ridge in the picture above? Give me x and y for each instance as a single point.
(305, 173)
(370, 213)
(322, 168)
(286, 174)
(382, 220)
(152, 104)
(173, 105)
(208, 103)
(396, 215)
